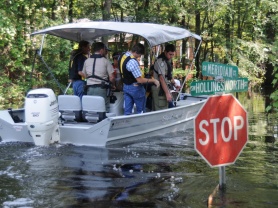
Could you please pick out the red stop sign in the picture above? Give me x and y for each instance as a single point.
(221, 130)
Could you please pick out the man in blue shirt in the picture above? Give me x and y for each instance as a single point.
(76, 65)
(134, 91)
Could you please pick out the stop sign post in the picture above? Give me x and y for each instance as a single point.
(221, 130)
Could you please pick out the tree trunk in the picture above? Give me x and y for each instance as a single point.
(183, 45)
(198, 31)
(227, 34)
(70, 11)
(147, 51)
(106, 16)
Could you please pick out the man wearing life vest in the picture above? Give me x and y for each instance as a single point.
(99, 74)
(78, 57)
(134, 91)
(163, 72)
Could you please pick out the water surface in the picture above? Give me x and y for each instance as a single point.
(158, 172)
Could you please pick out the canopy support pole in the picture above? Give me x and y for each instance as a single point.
(40, 51)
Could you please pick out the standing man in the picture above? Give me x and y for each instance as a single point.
(77, 60)
(163, 68)
(99, 73)
(134, 91)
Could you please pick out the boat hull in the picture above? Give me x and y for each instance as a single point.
(110, 130)
(153, 123)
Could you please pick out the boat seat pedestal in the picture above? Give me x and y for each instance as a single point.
(93, 109)
(70, 108)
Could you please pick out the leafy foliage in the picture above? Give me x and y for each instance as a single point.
(274, 60)
(241, 33)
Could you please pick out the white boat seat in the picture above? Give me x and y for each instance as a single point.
(70, 107)
(93, 109)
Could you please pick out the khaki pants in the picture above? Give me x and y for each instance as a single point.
(159, 102)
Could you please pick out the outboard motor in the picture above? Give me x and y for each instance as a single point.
(41, 116)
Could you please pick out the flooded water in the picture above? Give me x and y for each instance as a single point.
(158, 172)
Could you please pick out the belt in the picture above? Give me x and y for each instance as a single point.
(94, 86)
(134, 84)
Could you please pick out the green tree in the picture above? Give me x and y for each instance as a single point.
(236, 32)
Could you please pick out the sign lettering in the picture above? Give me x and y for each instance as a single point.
(217, 69)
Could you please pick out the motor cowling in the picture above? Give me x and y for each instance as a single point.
(41, 116)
